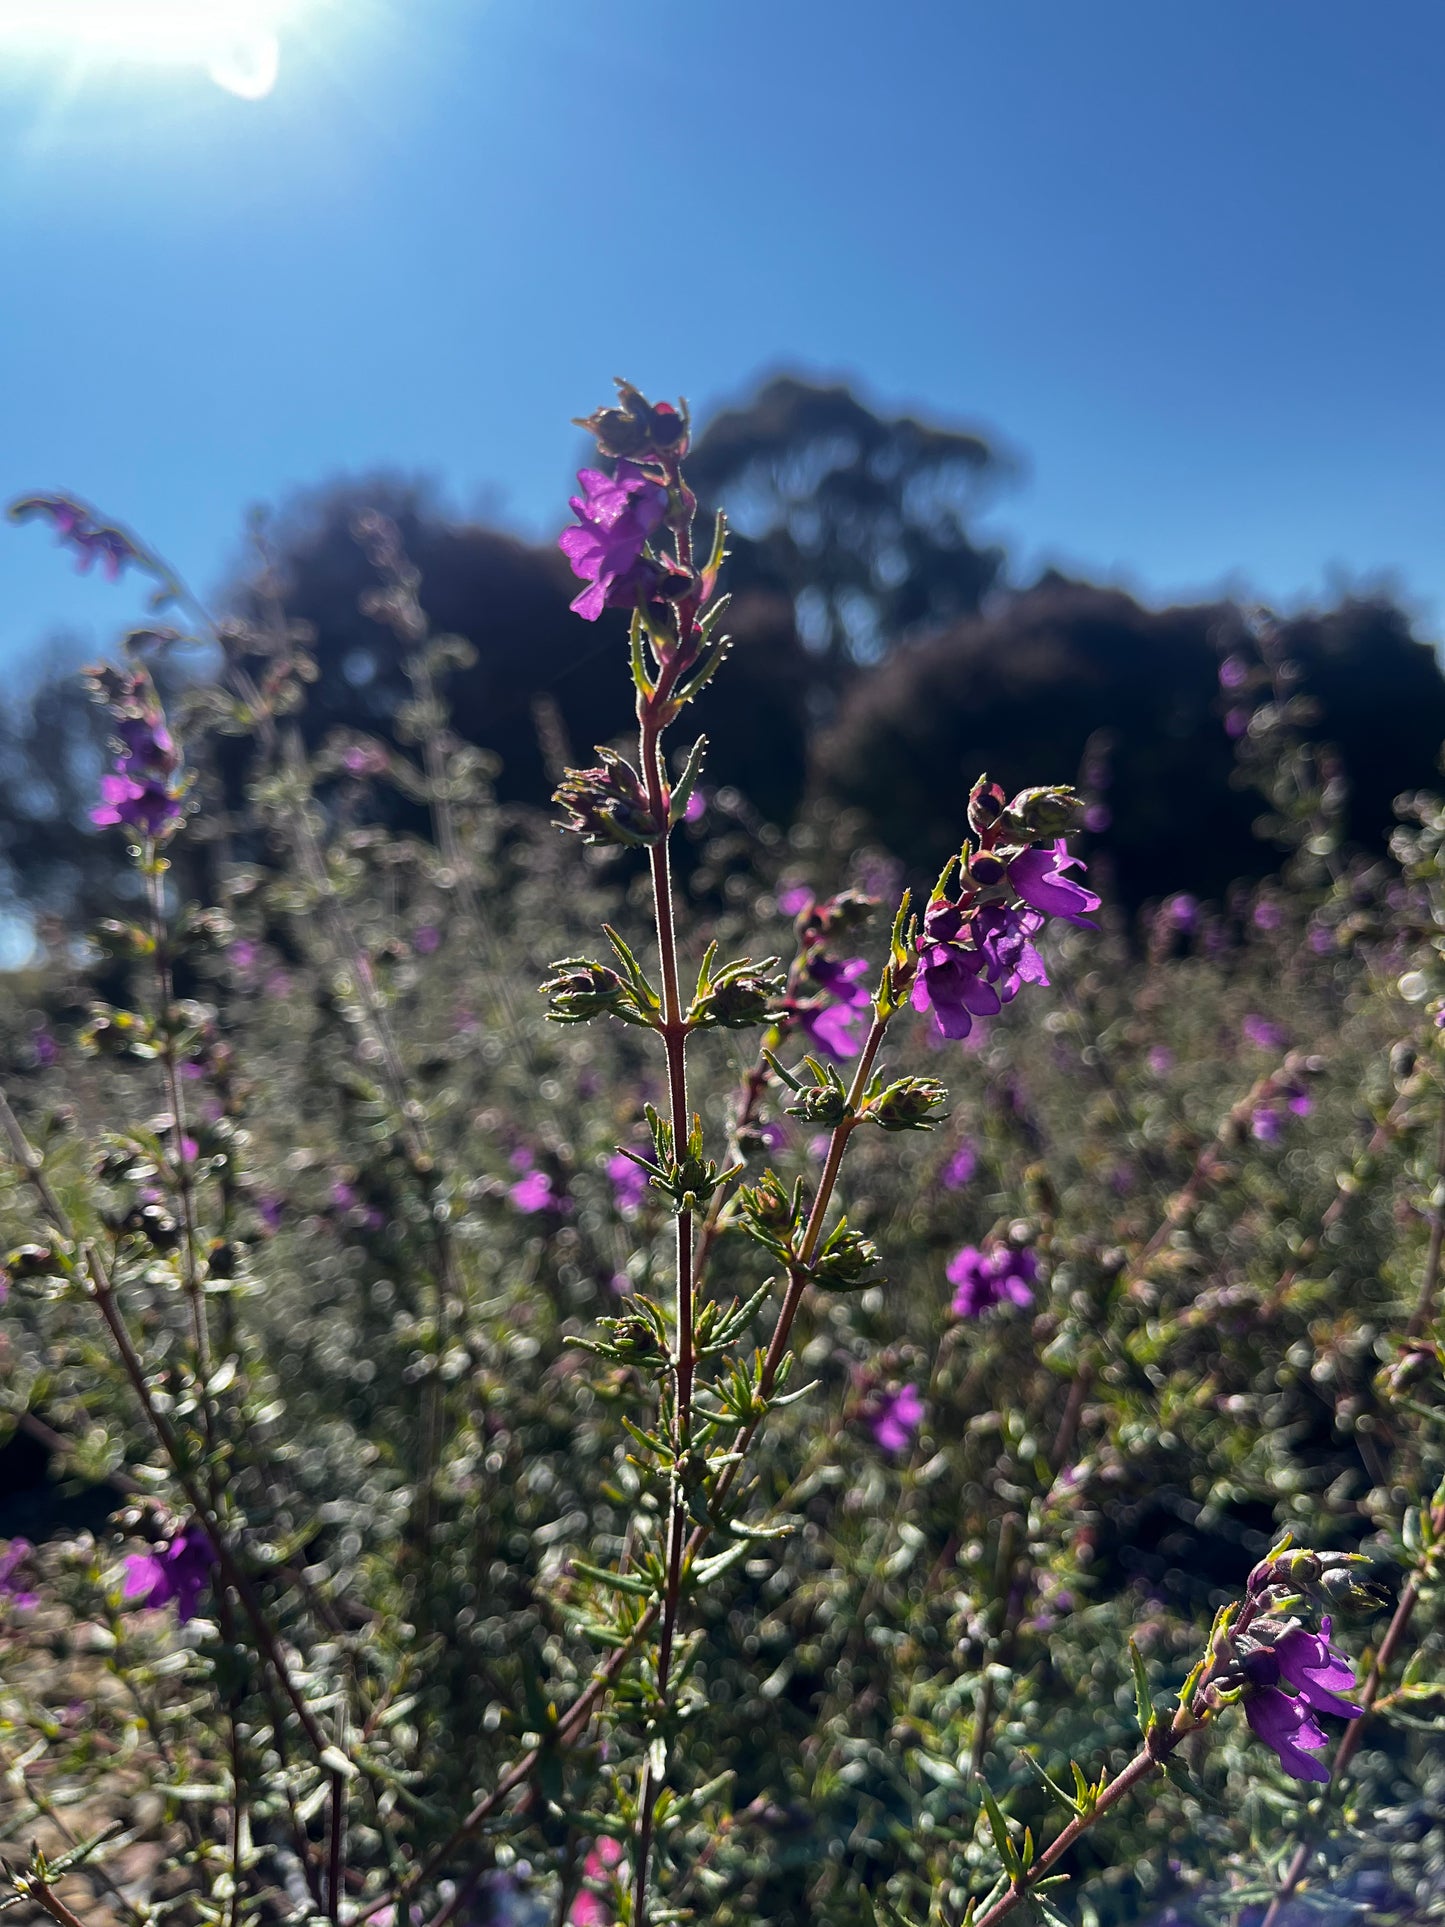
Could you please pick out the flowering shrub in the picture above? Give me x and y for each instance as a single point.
(527, 1493)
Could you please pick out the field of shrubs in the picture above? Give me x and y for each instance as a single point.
(631, 1365)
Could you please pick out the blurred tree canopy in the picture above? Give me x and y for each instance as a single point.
(1067, 668)
(863, 522)
(879, 663)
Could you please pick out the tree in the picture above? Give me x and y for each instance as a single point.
(862, 520)
(1028, 688)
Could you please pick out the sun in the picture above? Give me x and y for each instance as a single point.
(234, 41)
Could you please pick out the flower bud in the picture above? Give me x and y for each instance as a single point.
(985, 805)
(638, 430)
(607, 804)
(835, 916)
(911, 1104)
(771, 1214)
(1040, 815)
(736, 1000)
(582, 990)
(825, 1104)
(848, 1261)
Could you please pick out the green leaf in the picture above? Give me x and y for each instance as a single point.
(1143, 1698)
(998, 1826)
(629, 1582)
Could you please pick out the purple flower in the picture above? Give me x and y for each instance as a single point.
(12, 1587)
(696, 807)
(1233, 672)
(271, 1208)
(534, 1193)
(1285, 1721)
(425, 939)
(629, 1183)
(974, 962)
(90, 540)
(1182, 910)
(177, 1573)
(830, 1028)
(988, 1278)
(1236, 722)
(141, 794)
(896, 1417)
(616, 514)
(960, 1168)
(1260, 1032)
(1268, 1117)
(1267, 914)
(1161, 1060)
(1318, 1671)
(1037, 876)
(44, 1047)
(794, 898)
(343, 1195)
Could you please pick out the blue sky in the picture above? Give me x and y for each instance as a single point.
(1185, 260)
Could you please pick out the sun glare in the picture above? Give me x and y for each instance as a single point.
(234, 41)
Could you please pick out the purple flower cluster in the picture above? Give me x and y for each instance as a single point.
(976, 950)
(176, 1574)
(90, 540)
(960, 1169)
(12, 1585)
(984, 1279)
(142, 793)
(895, 1416)
(617, 515)
(533, 1190)
(1318, 1672)
(1282, 1100)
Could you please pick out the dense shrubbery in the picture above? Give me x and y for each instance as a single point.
(412, 1585)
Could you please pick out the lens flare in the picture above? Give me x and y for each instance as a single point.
(236, 42)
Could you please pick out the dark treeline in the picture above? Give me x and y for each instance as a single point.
(880, 662)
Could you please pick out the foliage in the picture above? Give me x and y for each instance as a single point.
(601, 1507)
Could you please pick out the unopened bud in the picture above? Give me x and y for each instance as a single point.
(1038, 816)
(638, 430)
(733, 1002)
(912, 1104)
(607, 804)
(582, 990)
(821, 1104)
(985, 805)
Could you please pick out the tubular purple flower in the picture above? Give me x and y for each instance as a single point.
(831, 1028)
(1284, 1723)
(178, 1573)
(1318, 1671)
(845, 980)
(616, 514)
(1037, 875)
